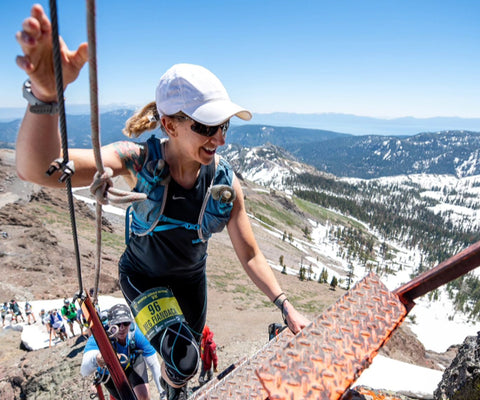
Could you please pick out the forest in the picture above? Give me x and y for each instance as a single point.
(398, 215)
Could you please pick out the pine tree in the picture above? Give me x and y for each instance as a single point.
(310, 272)
(350, 276)
(301, 273)
(333, 283)
(323, 278)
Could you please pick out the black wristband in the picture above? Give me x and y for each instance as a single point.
(276, 298)
(284, 315)
(279, 300)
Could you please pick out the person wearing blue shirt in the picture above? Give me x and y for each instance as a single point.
(133, 349)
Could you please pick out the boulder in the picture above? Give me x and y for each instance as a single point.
(461, 380)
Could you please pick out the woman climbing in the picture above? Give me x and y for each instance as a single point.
(191, 193)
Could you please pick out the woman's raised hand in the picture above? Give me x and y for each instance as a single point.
(35, 39)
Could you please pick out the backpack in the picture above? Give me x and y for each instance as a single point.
(142, 217)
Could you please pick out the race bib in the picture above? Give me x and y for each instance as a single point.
(155, 310)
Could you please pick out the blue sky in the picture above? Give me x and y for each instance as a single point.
(372, 58)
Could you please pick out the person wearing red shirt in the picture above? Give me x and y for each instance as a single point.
(208, 354)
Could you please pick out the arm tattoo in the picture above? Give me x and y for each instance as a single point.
(132, 154)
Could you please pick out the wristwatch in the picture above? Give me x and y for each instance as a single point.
(37, 106)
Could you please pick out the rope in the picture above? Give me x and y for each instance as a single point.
(57, 63)
(103, 175)
(94, 121)
(120, 381)
(102, 186)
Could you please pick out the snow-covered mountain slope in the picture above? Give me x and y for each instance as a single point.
(455, 201)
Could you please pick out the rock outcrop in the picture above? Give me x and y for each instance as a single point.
(461, 380)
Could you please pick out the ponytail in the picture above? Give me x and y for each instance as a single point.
(146, 119)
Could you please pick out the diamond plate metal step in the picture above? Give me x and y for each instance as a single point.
(330, 354)
(323, 360)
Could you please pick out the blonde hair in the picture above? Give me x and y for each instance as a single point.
(146, 119)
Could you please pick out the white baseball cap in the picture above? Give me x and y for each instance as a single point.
(198, 93)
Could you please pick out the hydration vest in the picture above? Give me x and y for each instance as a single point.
(142, 217)
(133, 352)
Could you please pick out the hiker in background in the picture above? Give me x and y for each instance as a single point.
(91, 292)
(29, 313)
(57, 324)
(134, 351)
(208, 354)
(69, 312)
(192, 193)
(15, 310)
(4, 312)
(84, 323)
(44, 317)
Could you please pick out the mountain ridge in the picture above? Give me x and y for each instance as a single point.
(338, 122)
(452, 152)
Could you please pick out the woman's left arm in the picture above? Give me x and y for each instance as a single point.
(254, 262)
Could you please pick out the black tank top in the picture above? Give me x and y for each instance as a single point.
(171, 252)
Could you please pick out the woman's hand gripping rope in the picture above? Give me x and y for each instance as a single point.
(104, 192)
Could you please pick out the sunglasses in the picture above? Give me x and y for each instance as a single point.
(124, 324)
(206, 130)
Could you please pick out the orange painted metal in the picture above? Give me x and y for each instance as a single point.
(329, 355)
(450, 269)
(242, 381)
(323, 360)
(364, 393)
(108, 353)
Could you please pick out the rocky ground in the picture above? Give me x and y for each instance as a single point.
(38, 262)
